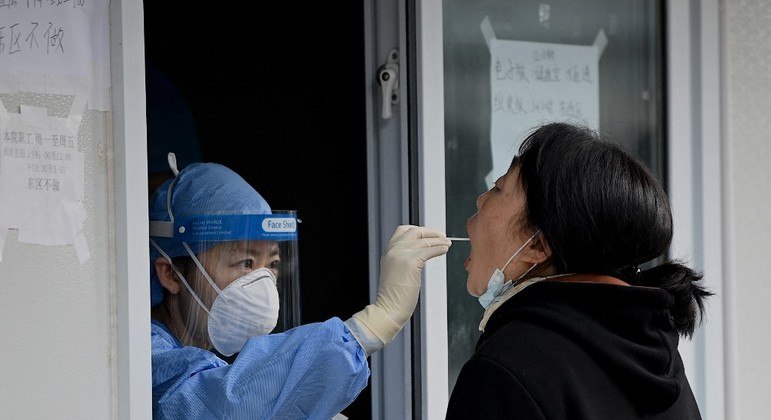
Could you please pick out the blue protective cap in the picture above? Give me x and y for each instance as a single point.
(199, 189)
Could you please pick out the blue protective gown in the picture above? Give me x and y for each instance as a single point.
(312, 371)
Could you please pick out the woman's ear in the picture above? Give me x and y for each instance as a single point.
(537, 251)
(166, 275)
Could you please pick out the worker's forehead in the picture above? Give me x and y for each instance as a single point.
(251, 247)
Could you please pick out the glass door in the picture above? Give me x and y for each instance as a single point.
(488, 72)
(510, 66)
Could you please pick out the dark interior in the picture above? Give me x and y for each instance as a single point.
(277, 95)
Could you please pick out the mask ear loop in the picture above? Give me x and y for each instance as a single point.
(517, 253)
(179, 274)
(526, 272)
(201, 269)
(172, 159)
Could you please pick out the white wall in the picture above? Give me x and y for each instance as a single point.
(747, 73)
(56, 322)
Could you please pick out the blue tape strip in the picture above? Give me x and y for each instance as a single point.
(236, 227)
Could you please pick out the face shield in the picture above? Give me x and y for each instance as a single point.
(238, 276)
(223, 264)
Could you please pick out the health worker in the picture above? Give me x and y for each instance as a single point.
(217, 254)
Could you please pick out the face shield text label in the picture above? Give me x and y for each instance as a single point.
(279, 224)
(235, 227)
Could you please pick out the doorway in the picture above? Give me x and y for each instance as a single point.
(276, 93)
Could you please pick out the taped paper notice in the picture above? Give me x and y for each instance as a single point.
(41, 179)
(59, 47)
(533, 83)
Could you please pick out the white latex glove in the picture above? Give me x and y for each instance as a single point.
(400, 276)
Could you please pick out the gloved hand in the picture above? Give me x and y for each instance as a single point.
(400, 273)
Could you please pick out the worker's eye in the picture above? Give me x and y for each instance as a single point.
(248, 264)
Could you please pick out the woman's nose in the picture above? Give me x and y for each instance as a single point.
(481, 200)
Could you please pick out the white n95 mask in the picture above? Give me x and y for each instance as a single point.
(497, 281)
(246, 308)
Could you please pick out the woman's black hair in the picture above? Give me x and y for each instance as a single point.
(603, 212)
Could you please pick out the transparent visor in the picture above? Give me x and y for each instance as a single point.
(231, 250)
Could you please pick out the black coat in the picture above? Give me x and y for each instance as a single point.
(561, 350)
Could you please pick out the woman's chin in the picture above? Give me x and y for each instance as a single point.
(471, 289)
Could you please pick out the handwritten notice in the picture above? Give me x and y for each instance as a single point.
(41, 179)
(56, 46)
(533, 83)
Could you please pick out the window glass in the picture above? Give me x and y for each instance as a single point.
(510, 65)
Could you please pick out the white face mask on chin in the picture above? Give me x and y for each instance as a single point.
(497, 280)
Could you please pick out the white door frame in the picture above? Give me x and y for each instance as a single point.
(387, 196)
(389, 160)
(697, 193)
(431, 204)
(132, 399)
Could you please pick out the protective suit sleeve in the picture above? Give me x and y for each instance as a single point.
(400, 277)
(312, 371)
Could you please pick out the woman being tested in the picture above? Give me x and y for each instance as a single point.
(573, 329)
(214, 264)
